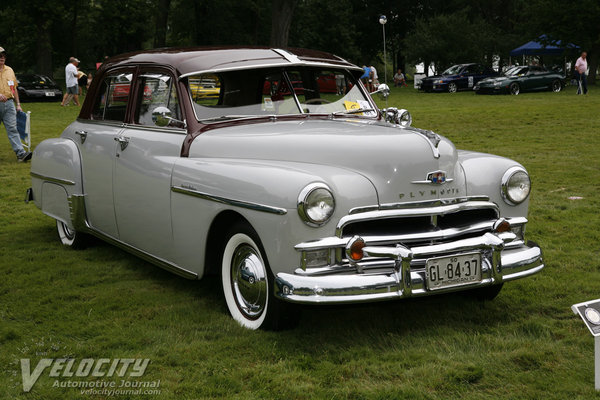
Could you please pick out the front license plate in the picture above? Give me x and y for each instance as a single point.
(49, 94)
(457, 270)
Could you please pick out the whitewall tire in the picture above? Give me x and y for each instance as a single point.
(245, 280)
(70, 237)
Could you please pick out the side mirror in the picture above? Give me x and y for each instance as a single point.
(161, 116)
(398, 117)
(383, 90)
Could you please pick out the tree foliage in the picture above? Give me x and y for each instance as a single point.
(40, 35)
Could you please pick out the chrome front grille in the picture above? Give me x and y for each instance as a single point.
(430, 229)
(421, 230)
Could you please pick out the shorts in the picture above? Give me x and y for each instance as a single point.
(73, 90)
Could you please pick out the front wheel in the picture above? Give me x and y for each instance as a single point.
(248, 283)
(556, 86)
(514, 88)
(70, 237)
(452, 88)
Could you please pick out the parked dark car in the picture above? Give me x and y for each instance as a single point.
(458, 77)
(521, 79)
(34, 87)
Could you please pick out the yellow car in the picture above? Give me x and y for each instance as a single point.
(205, 88)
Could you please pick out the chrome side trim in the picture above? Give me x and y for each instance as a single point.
(52, 179)
(145, 128)
(80, 223)
(230, 202)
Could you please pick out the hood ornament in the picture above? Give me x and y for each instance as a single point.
(435, 178)
(433, 138)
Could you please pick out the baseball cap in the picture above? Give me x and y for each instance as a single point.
(2, 51)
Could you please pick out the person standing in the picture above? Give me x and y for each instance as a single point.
(366, 77)
(71, 83)
(374, 78)
(8, 108)
(581, 70)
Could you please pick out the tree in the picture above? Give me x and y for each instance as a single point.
(580, 26)
(161, 23)
(281, 19)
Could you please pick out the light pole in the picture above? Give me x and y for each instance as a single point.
(382, 21)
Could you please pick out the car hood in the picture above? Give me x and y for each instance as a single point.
(494, 79)
(396, 160)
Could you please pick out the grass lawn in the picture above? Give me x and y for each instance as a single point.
(526, 344)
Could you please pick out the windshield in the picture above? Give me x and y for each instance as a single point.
(266, 92)
(453, 70)
(35, 79)
(516, 71)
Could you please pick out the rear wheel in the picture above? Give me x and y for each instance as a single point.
(452, 88)
(248, 283)
(556, 86)
(70, 237)
(514, 88)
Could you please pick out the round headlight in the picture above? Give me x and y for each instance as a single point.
(316, 204)
(516, 185)
(404, 118)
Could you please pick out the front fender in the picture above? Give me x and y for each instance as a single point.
(265, 193)
(484, 173)
(56, 176)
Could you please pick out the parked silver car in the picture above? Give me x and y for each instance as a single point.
(292, 192)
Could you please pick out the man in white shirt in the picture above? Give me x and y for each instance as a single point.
(375, 78)
(581, 69)
(71, 83)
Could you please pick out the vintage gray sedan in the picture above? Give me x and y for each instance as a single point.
(292, 192)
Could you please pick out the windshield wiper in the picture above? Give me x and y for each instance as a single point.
(233, 116)
(353, 111)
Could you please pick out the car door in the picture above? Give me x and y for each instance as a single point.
(467, 77)
(148, 147)
(545, 79)
(533, 78)
(96, 140)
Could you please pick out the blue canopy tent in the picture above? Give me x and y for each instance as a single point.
(538, 47)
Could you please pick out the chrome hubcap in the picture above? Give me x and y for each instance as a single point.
(249, 281)
(69, 234)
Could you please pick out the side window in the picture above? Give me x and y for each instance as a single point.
(156, 92)
(111, 100)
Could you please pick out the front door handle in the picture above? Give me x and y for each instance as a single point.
(82, 135)
(123, 141)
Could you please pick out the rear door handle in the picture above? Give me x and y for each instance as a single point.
(123, 141)
(82, 135)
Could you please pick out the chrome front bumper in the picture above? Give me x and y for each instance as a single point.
(398, 272)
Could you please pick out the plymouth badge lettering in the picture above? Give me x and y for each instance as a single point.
(432, 193)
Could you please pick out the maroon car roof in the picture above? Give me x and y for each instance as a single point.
(190, 60)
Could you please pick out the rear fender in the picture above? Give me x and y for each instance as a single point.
(55, 177)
